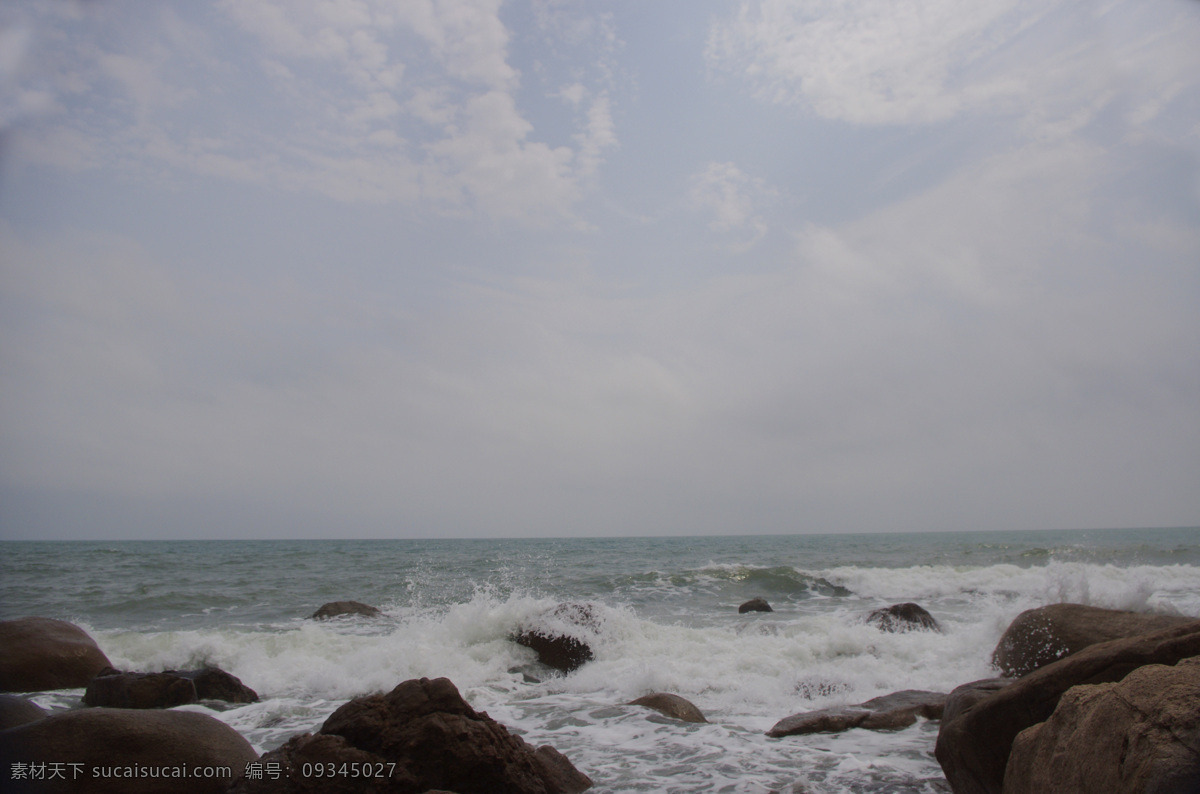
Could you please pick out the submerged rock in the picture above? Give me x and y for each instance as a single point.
(672, 706)
(1141, 734)
(903, 617)
(95, 749)
(338, 608)
(558, 638)
(758, 604)
(973, 748)
(1040, 636)
(890, 712)
(117, 689)
(37, 654)
(421, 736)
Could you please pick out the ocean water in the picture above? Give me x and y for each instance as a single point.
(667, 620)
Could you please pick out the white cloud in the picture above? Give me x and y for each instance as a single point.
(733, 198)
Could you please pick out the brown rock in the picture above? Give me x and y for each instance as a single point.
(337, 608)
(964, 697)
(37, 654)
(1142, 734)
(426, 737)
(559, 637)
(1040, 636)
(139, 691)
(112, 751)
(758, 604)
(16, 711)
(117, 689)
(890, 712)
(903, 617)
(671, 705)
(973, 748)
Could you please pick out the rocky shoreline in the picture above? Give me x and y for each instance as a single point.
(1088, 700)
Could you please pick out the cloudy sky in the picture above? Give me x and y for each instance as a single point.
(396, 268)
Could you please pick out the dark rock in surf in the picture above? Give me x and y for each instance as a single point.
(973, 748)
(422, 736)
(558, 637)
(116, 689)
(1040, 636)
(139, 691)
(37, 654)
(16, 711)
(339, 608)
(98, 739)
(670, 705)
(887, 713)
(758, 604)
(1142, 734)
(903, 617)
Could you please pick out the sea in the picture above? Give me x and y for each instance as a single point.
(665, 620)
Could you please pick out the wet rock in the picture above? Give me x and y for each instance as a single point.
(338, 608)
(758, 604)
(37, 654)
(421, 736)
(559, 636)
(117, 689)
(1141, 734)
(672, 706)
(1040, 636)
(96, 740)
(903, 617)
(890, 712)
(965, 696)
(973, 748)
(16, 711)
(139, 691)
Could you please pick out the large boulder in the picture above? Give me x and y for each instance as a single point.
(964, 697)
(670, 705)
(37, 654)
(339, 608)
(420, 736)
(973, 748)
(118, 751)
(16, 711)
(1046, 634)
(116, 689)
(890, 712)
(1142, 734)
(903, 617)
(560, 636)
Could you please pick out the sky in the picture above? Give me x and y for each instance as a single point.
(473, 268)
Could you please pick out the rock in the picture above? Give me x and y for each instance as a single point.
(973, 748)
(213, 683)
(758, 604)
(1040, 636)
(671, 705)
(37, 654)
(139, 691)
(964, 697)
(903, 617)
(1142, 734)
(422, 735)
(559, 640)
(116, 689)
(337, 608)
(890, 712)
(100, 750)
(16, 711)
